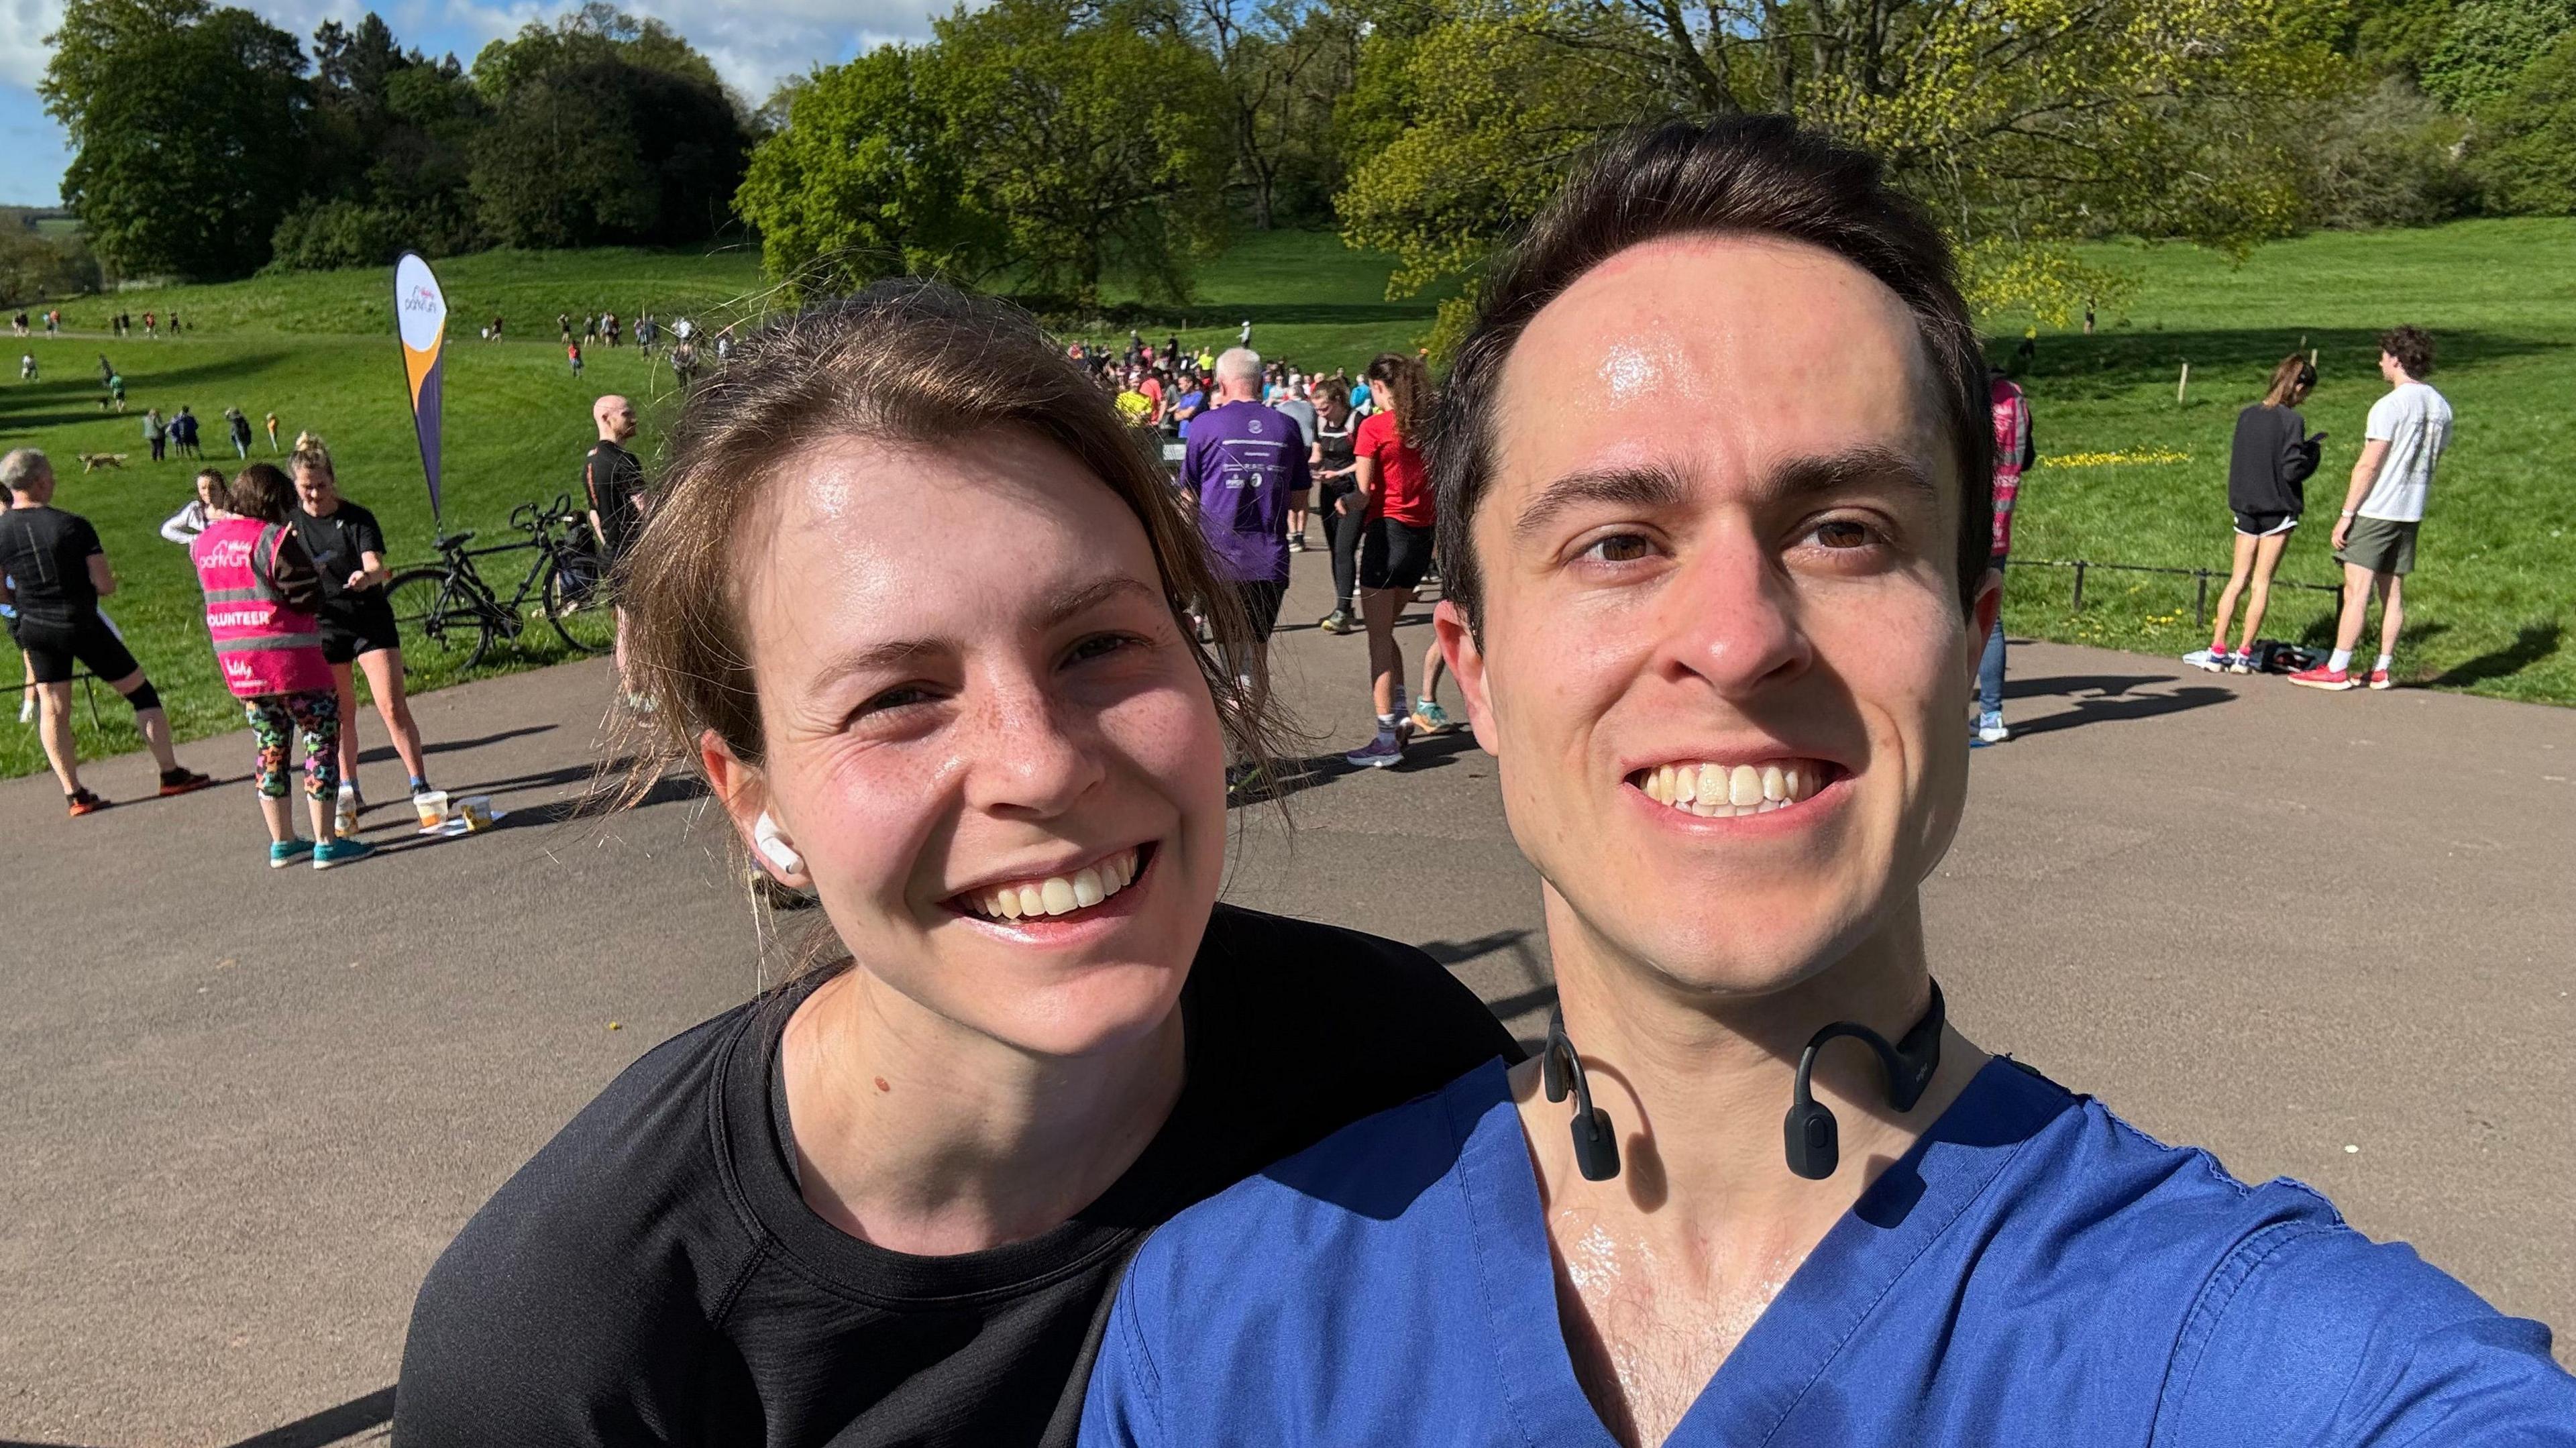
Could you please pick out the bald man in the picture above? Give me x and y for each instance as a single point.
(612, 479)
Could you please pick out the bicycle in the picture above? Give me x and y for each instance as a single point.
(448, 613)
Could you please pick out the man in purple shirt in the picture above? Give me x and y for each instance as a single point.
(1243, 462)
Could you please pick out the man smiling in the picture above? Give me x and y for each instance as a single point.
(1712, 471)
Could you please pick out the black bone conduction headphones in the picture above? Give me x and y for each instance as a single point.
(1812, 1138)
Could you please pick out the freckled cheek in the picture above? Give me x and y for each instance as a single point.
(864, 818)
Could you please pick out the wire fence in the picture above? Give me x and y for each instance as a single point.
(2200, 606)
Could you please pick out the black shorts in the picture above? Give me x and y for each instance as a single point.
(349, 630)
(1394, 555)
(1261, 599)
(2264, 525)
(58, 650)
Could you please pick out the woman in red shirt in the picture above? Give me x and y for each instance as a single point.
(1395, 544)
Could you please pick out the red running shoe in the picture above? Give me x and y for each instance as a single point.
(2321, 677)
(83, 802)
(2379, 679)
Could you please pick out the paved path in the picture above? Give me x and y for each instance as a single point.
(244, 1110)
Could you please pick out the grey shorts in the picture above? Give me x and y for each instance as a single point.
(2381, 545)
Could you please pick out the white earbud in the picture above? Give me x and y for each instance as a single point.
(773, 846)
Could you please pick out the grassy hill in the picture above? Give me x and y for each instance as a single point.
(2489, 611)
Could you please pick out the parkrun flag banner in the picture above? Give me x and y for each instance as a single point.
(420, 311)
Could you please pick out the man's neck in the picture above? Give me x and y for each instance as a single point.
(1663, 1268)
(920, 1135)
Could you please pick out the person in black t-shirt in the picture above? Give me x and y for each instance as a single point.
(348, 550)
(52, 574)
(612, 479)
(612, 490)
(886, 1203)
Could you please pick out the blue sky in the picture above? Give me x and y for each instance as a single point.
(753, 48)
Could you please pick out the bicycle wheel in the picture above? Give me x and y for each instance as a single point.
(444, 625)
(578, 603)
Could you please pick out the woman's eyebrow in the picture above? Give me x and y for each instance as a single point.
(1067, 602)
(1054, 609)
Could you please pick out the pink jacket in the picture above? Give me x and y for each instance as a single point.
(264, 646)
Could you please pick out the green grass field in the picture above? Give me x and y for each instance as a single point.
(2489, 608)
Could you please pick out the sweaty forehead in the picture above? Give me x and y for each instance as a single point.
(1720, 354)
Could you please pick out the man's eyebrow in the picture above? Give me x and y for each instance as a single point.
(1646, 485)
(1858, 467)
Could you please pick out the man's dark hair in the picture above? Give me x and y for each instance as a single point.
(2413, 349)
(1755, 176)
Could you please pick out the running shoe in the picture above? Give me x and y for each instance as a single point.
(1429, 718)
(1385, 751)
(2379, 679)
(282, 853)
(1339, 621)
(420, 784)
(340, 852)
(183, 781)
(1990, 730)
(1297, 545)
(81, 802)
(2243, 662)
(2216, 661)
(2321, 677)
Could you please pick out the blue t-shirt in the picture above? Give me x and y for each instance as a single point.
(1242, 462)
(2034, 1272)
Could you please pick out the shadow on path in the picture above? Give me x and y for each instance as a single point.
(1296, 776)
(2113, 698)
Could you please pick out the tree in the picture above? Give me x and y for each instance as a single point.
(859, 181)
(604, 129)
(1096, 139)
(2022, 123)
(188, 127)
(2526, 149)
(1284, 64)
(2486, 43)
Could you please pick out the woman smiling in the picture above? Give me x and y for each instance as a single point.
(914, 602)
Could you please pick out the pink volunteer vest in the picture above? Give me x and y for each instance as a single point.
(2012, 434)
(264, 646)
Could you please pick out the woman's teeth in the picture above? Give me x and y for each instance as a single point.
(1722, 790)
(1058, 894)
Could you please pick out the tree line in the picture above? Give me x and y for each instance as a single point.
(1058, 147)
(209, 143)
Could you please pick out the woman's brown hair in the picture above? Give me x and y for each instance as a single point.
(2292, 376)
(907, 363)
(1409, 395)
(261, 491)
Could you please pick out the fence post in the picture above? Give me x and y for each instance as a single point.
(2182, 382)
(2200, 609)
(2079, 583)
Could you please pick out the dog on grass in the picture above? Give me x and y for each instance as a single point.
(92, 462)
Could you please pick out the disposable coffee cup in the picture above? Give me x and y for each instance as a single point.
(476, 811)
(432, 808)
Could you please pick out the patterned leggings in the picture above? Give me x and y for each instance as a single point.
(275, 718)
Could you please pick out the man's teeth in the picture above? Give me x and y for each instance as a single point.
(1059, 894)
(1725, 790)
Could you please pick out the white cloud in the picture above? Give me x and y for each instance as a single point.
(24, 24)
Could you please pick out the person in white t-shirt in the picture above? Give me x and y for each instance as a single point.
(2375, 537)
